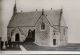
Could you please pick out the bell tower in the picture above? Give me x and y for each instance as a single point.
(14, 9)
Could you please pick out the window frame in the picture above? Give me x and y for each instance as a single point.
(43, 27)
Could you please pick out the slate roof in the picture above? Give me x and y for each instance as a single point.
(30, 18)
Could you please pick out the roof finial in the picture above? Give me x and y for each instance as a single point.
(21, 11)
(42, 11)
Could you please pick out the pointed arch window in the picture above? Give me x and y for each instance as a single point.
(42, 26)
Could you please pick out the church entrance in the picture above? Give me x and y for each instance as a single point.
(54, 41)
(17, 37)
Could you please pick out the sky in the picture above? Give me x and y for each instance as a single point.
(0, 19)
(71, 13)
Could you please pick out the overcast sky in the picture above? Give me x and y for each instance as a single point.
(71, 12)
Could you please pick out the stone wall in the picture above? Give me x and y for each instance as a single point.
(63, 34)
(54, 35)
(42, 37)
(61, 37)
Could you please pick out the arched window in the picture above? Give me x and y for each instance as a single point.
(42, 26)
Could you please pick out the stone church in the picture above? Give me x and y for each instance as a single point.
(41, 27)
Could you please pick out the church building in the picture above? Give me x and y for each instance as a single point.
(40, 27)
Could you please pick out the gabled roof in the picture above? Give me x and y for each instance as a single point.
(30, 18)
(53, 16)
(24, 19)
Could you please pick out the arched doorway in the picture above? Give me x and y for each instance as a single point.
(54, 41)
(17, 37)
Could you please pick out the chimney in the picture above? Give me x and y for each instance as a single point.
(51, 8)
(36, 10)
(42, 11)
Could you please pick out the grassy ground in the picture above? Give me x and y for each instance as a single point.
(33, 47)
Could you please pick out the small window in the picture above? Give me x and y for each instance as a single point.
(54, 33)
(42, 26)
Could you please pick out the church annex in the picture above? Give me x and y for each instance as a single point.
(41, 27)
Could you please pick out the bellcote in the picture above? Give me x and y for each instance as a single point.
(14, 9)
